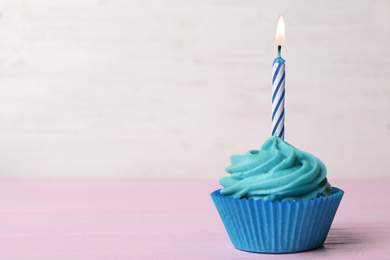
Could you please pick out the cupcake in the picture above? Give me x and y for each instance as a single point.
(276, 200)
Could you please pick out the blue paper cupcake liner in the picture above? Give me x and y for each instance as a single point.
(277, 227)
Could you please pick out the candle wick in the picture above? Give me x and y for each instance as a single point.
(279, 50)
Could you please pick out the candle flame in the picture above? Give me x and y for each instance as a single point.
(280, 30)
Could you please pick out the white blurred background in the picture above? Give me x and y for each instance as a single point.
(169, 88)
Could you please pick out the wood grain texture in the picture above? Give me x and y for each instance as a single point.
(86, 219)
(153, 88)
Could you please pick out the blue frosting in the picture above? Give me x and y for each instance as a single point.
(279, 171)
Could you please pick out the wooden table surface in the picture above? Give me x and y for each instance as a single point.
(163, 219)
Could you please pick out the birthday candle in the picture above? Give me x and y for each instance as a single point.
(278, 81)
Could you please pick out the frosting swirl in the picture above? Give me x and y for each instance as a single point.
(279, 171)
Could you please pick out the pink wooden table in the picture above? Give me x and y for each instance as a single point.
(163, 219)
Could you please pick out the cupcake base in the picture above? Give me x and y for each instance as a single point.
(277, 227)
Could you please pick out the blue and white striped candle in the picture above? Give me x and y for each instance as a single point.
(278, 91)
(278, 81)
